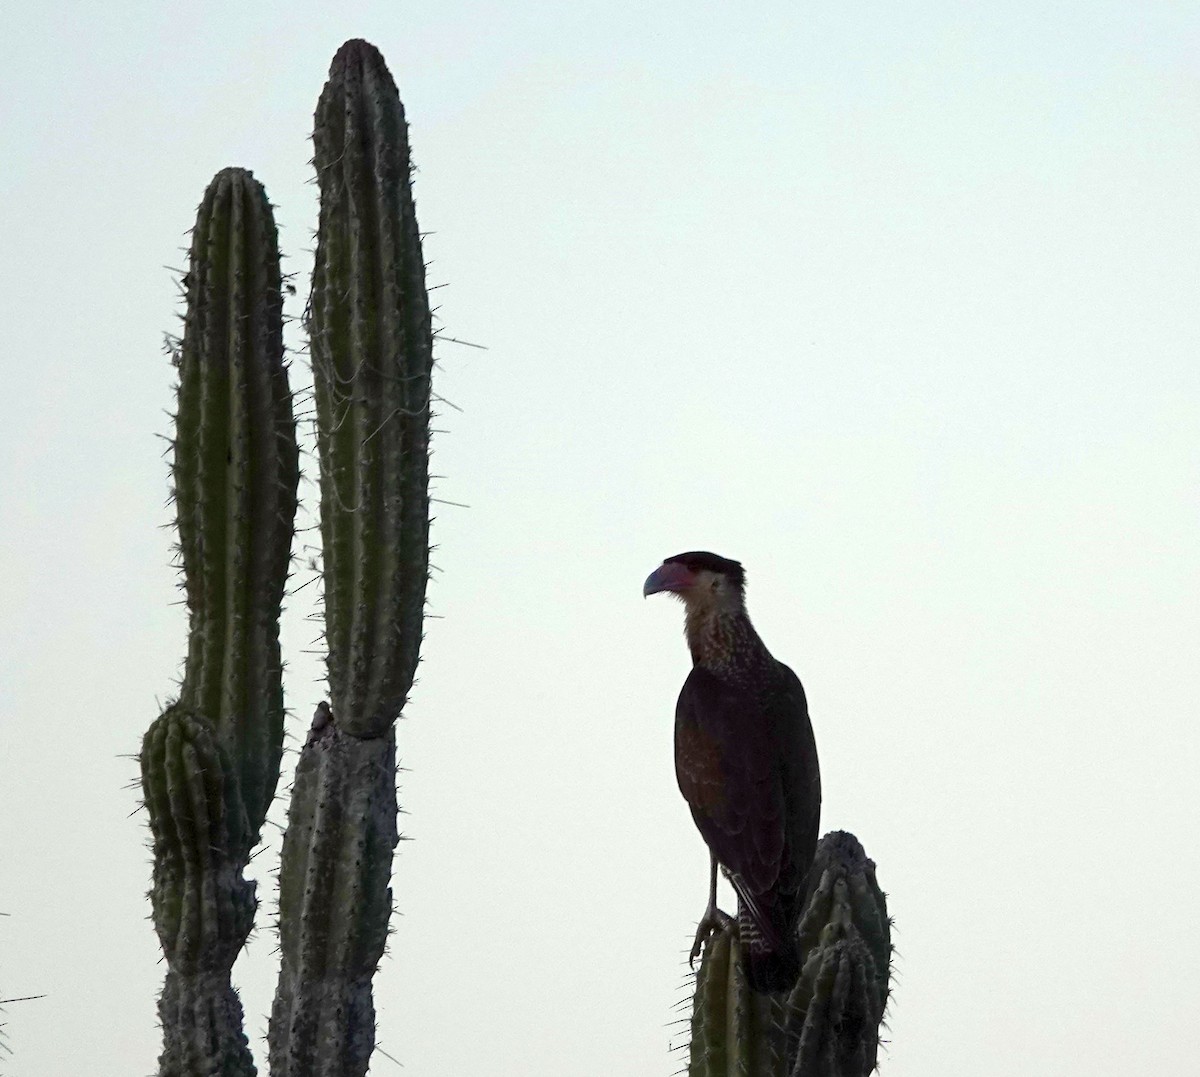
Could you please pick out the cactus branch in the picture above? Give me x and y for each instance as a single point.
(372, 351)
(235, 474)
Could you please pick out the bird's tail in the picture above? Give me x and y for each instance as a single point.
(770, 963)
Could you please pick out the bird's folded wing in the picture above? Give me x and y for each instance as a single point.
(726, 766)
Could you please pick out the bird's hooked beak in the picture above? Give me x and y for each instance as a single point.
(670, 576)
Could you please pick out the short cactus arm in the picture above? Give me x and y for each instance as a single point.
(844, 896)
(839, 997)
(235, 473)
(202, 906)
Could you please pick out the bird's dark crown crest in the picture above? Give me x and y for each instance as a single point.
(696, 560)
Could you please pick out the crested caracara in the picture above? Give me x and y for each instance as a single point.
(746, 763)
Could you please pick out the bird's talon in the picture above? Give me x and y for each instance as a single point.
(714, 920)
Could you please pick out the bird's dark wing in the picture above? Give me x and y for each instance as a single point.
(728, 769)
(801, 775)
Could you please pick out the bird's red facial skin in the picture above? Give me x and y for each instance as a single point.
(671, 576)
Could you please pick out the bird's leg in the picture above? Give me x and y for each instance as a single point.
(713, 919)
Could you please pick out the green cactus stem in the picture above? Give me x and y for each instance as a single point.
(372, 355)
(736, 1032)
(839, 996)
(844, 893)
(845, 937)
(235, 473)
(203, 907)
(334, 902)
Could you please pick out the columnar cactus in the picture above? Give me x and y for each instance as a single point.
(210, 762)
(372, 345)
(828, 1024)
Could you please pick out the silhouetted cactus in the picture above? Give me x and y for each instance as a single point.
(210, 763)
(828, 1024)
(372, 347)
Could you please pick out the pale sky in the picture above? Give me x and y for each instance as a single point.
(895, 303)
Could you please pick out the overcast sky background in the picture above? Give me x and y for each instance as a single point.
(896, 303)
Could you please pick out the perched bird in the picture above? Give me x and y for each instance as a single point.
(746, 763)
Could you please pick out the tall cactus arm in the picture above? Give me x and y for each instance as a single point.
(372, 348)
(371, 345)
(334, 903)
(235, 474)
(203, 907)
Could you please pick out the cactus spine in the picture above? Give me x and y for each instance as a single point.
(210, 762)
(828, 1025)
(371, 343)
